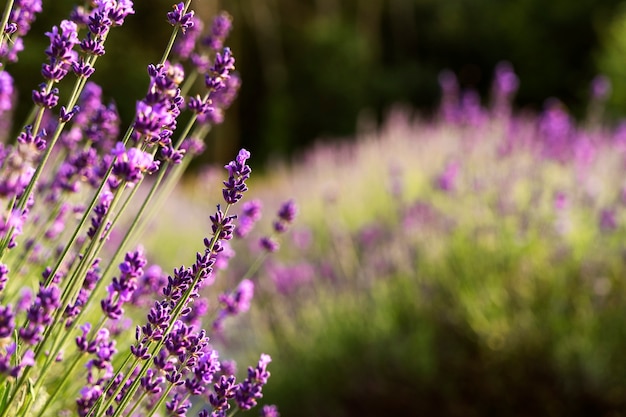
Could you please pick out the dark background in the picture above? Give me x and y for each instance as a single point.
(309, 68)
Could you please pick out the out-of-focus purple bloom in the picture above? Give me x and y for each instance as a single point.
(449, 106)
(600, 87)
(227, 253)
(560, 201)
(220, 28)
(235, 303)
(6, 92)
(286, 215)
(505, 85)
(269, 244)
(556, 129)
(250, 214)
(608, 220)
(220, 101)
(186, 43)
(269, 411)
(287, 279)
(446, 181)
(239, 301)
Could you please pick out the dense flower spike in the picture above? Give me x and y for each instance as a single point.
(238, 173)
(250, 390)
(178, 17)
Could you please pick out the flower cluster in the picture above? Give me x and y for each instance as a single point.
(68, 344)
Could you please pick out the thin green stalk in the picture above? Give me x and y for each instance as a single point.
(66, 374)
(5, 20)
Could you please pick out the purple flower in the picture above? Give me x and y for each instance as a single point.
(40, 313)
(608, 220)
(4, 276)
(178, 17)
(6, 92)
(269, 244)
(223, 390)
(446, 181)
(250, 214)
(238, 173)
(131, 164)
(223, 65)
(600, 87)
(269, 411)
(187, 42)
(286, 215)
(7, 321)
(122, 288)
(250, 389)
(100, 212)
(60, 51)
(222, 24)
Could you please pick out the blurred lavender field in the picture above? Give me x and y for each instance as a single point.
(469, 264)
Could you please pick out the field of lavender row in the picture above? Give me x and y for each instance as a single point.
(468, 265)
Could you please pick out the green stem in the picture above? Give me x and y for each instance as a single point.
(5, 20)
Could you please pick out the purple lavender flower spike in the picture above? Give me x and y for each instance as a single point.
(180, 18)
(223, 65)
(4, 276)
(223, 390)
(40, 313)
(60, 51)
(7, 321)
(238, 173)
(250, 389)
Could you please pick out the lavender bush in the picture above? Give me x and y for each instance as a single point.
(87, 325)
(469, 264)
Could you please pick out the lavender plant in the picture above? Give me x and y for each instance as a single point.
(87, 326)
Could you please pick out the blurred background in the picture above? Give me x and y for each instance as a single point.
(311, 67)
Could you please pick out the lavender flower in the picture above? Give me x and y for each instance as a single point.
(238, 173)
(236, 303)
(250, 390)
(250, 214)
